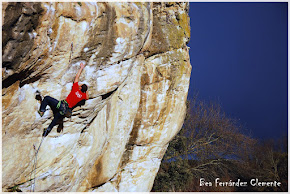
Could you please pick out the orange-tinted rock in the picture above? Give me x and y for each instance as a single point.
(137, 70)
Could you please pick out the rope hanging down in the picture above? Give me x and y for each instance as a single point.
(35, 165)
(36, 153)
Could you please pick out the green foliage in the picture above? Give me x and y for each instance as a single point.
(175, 174)
(14, 189)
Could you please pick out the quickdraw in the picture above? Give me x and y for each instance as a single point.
(71, 51)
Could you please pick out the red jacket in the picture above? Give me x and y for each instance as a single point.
(75, 96)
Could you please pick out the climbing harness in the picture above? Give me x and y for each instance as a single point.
(64, 109)
(35, 165)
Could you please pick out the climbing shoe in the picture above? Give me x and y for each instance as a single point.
(46, 132)
(38, 96)
(40, 113)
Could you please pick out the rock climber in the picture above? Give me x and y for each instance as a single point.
(64, 108)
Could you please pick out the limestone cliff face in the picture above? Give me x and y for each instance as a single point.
(137, 70)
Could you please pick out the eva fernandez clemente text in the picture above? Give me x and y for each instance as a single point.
(238, 183)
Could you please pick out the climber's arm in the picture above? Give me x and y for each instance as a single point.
(79, 72)
(87, 93)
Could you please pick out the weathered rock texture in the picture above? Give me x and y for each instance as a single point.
(137, 70)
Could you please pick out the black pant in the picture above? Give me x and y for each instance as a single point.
(52, 103)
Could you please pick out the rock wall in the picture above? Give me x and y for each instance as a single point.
(137, 70)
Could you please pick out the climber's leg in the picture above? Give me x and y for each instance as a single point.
(47, 101)
(57, 117)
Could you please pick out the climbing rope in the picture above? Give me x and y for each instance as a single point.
(36, 151)
(35, 165)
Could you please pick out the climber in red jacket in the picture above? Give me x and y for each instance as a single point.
(64, 108)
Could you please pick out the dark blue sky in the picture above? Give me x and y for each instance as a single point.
(239, 57)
